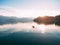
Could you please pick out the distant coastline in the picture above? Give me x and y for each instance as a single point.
(39, 20)
(13, 20)
(48, 20)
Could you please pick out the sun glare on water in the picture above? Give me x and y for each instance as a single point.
(42, 27)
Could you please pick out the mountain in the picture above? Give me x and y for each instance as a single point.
(12, 20)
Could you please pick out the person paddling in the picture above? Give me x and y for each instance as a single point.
(33, 26)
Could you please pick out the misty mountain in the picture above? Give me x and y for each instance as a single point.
(12, 20)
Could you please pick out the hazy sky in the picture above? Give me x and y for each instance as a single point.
(29, 8)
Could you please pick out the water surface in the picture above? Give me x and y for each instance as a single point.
(24, 34)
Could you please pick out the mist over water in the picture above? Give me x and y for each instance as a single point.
(27, 27)
(24, 33)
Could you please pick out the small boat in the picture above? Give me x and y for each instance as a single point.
(33, 26)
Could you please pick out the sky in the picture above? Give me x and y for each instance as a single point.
(29, 8)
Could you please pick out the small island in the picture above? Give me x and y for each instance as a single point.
(48, 20)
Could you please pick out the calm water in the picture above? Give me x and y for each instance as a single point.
(24, 34)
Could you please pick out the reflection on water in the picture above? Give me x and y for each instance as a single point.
(42, 28)
(24, 34)
(27, 27)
